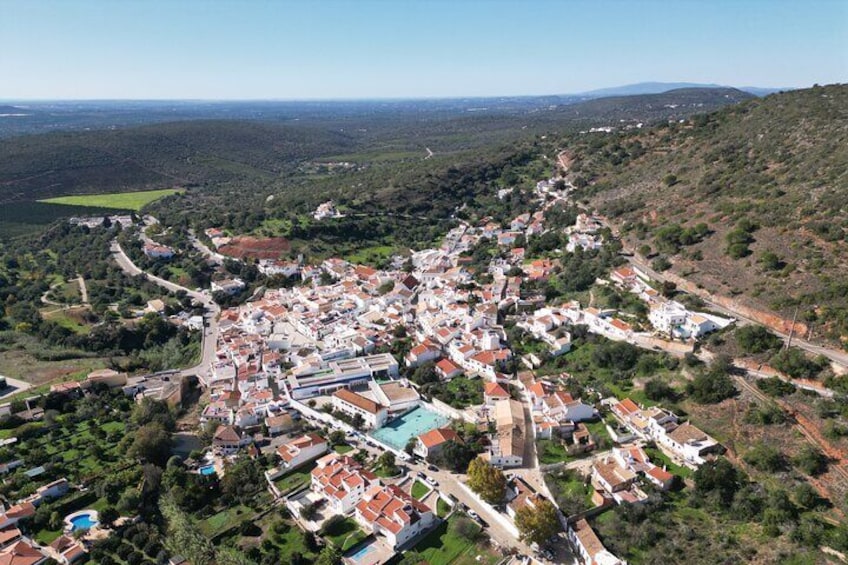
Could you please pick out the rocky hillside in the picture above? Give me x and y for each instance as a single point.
(749, 202)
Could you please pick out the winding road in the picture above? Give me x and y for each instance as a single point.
(210, 315)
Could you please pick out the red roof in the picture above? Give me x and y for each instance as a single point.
(495, 389)
(358, 400)
(437, 437)
(20, 553)
(627, 406)
(447, 366)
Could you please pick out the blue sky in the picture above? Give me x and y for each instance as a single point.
(75, 49)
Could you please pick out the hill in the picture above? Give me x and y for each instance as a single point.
(768, 179)
(154, 156)
(670, 105)
(660, 87)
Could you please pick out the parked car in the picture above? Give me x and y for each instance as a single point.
(421, 475)
(473, 515)
(432, 468)
(431, 481)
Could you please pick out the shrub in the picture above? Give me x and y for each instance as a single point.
(756, 339)
(765, 458)
(775, 386)
(795, 363)
(810, 460)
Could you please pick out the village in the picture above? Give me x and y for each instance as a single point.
(294, 366)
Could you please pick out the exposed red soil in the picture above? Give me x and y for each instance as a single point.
(242, 247)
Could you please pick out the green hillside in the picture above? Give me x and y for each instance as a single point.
(768, 178)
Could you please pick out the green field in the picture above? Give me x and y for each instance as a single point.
(419, 490)
(444, 547)
(118, 200)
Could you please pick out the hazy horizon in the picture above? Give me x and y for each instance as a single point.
(372, 50)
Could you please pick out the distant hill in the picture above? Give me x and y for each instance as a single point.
(671, 105)
(768, 177)
(253, 153)
(6, 109)
(660, 87)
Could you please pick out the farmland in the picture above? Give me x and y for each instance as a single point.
(120, 201)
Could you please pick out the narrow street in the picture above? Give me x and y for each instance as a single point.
(210, 316)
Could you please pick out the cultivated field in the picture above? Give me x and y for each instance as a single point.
(119, 200)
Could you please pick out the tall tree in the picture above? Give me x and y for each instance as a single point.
(538, 523)
(487, 481)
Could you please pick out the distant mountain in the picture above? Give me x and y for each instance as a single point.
(660, 87)
(5, 109)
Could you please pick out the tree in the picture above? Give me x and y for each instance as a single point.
(538, 523)
(337, 437)
(183, 536)
(455, 455)
(108, 516)
(310, 541)
(242, 479)
(756, 339)
(152, 443)
(657, 389)
(150, 411)
(387, 462)
(717, 479)
(765, 457)
(410, 445)
(487, 481)
(330, 555)
(711, 387)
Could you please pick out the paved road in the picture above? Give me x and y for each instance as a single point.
(449, 483)
(216, 258)
(210, 315)
(832, 354)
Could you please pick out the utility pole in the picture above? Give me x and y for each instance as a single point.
(792, 329)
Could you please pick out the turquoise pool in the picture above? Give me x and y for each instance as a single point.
(207, 470)
(414, 423)
(83, 522)
(361, 554)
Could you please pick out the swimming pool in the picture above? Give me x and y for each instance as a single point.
(361, 553)
(414, 423)
(84, 520)
(207, 470)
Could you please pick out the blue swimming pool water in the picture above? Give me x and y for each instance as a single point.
(360, 553)
(207, 470)
(83, 522)
(414, 423)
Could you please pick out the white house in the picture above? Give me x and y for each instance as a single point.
(373, 414)
(690, 443)
(588, 547)
(302, 450)
(228, 286)
(392, 513)
(342, 481)
(431, 443)
(560, 405)
(158, 251)
(227, 440)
